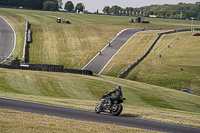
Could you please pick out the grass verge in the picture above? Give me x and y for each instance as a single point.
(16, 121)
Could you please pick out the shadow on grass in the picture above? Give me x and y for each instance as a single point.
(130, 115)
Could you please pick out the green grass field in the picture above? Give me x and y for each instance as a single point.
(84, 92)
(21, 122)
(165, 71)
(73, 45)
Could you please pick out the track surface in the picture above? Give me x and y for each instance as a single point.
(99, 62)
(91, 116)
(7, 39)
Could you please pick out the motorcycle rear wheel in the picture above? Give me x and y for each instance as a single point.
(117, 109)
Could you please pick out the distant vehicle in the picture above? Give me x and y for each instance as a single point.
(131, 20)
(185, 90)
(152, 16)
(196, 34)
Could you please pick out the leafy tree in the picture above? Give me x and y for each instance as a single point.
(36, 4)
(50, 6)
(131, 9)
(79, 7)
(26, 3)
(151, 13)
(162, 13)
(198, 16)
(106, 9)
(69, 6)
(128, 9)
(115, 9)
(187, 15)
(167, 14)
(196, 9)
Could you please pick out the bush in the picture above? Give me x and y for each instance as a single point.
(50, 6)
(69, 6)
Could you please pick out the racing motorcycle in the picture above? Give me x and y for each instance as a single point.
(115, 108)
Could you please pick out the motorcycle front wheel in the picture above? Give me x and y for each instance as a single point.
(116, 109)
(98, 109)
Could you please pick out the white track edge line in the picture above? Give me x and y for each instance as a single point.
(14, 38)
(117, 52)
(101, 50)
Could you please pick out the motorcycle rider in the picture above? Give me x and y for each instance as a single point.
(118, 94)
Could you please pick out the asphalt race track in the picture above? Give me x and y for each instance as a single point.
(99, 62)
(7, 40)
(93, 117)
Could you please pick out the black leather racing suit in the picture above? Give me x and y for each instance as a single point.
(118, 94)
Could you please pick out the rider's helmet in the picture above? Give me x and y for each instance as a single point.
(118, 87)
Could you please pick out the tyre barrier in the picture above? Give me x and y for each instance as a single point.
(46, 67)
(124, 73)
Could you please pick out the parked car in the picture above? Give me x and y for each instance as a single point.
(131, 20)
(185, 90)
(196, 34)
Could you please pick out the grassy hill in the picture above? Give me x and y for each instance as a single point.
(84, 92)
(73, 45)
(163, 71)
(132, 51)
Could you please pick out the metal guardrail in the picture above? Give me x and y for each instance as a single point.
(45, 67)
(27, 40)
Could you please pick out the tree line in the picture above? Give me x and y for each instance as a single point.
(180, 10)
(52, 5)
(69, 6)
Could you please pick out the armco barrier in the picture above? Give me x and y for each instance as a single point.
(46, 67)
(27, 40)
(123, 74)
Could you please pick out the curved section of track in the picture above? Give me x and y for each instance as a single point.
(99, 62)
(7, 39)
(92, 117)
